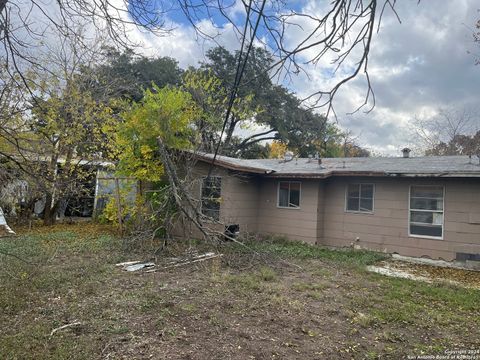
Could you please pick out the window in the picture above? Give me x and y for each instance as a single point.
(426, 211)
(360, 197)
(289, 194)
(211, 194)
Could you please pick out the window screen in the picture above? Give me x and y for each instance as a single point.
(211, 194)
(426, 211)
(289, 194)
(360, 197)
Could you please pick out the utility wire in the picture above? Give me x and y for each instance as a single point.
(238, 74)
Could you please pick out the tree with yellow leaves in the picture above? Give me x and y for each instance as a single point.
(277, 150)
(166, 112)
(54, 143)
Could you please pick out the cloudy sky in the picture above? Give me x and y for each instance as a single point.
(416, 67)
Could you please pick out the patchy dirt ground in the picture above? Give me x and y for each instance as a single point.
(285, 301)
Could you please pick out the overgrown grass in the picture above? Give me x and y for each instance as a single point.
(42, 262)
(70, 275)
(298, 250)
(403, 302)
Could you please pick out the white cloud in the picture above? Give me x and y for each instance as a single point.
(416, 66)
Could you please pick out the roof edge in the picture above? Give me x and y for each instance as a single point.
(231, 166)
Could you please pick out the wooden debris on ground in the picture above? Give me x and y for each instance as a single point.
(135, 265)
(76, 323)
(172, 263)
(188, 261)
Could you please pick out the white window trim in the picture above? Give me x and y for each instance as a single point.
(355, 211)
(201, 195)
(299, 196)
(443, 214)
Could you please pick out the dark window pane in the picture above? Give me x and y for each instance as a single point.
(285, 185)
(283, 196)
(435, 192)
(289, 194)
(295, 186)
(353, 190)
(432, 230)
(211, 213)
(211, 187)
(294, 196)
(426, 223)
(426, 204)
(421, 217)
(366, 204)
(366, 191)
(205, 190)
(353, 204)
(211, 194)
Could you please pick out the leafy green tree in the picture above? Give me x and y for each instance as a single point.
(256, 85)
(210, 94)
(52, 145)
(168, 113)
(277, 110)
(126, 75)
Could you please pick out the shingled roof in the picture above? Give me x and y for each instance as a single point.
(425, 166)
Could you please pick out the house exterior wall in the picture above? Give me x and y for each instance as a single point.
(238, 205)
(295, 223)
(386, 229)
(240, 202)
(252, 202)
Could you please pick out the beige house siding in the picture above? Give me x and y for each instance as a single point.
(296, 224)
(386, 229)
(321, 209)
(239, 202)
(251, 202)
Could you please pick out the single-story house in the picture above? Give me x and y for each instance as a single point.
(413, 206)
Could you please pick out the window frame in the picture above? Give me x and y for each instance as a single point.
(299, 194)
(424, 210)
(202, 197)
(371, 212)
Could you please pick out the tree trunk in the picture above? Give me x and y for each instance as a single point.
(230, 130)
(49, 214)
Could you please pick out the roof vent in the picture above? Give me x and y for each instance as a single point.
(406, 152)
(288, 156)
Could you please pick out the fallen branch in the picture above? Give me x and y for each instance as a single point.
(127, 263)
(188, 262)
(76, 323)
(191, 212)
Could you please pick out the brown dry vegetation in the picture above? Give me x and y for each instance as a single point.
(287, 300)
